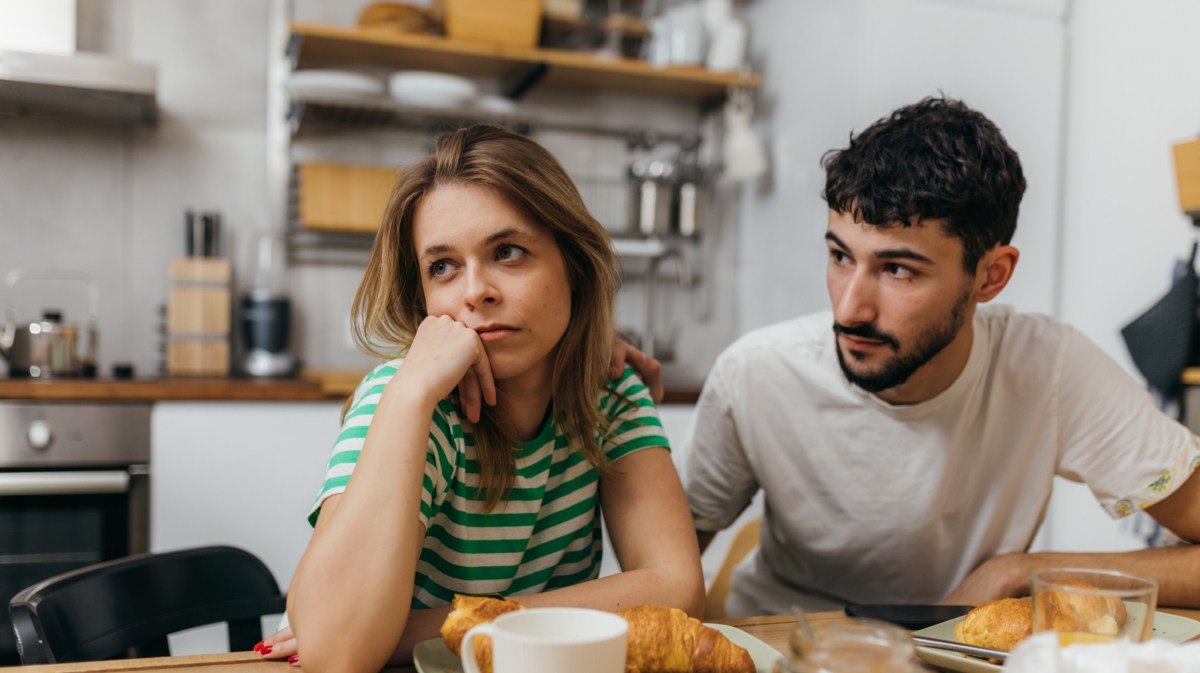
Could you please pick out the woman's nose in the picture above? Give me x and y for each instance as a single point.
(479, 289)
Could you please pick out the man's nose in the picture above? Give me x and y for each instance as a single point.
(858, 301)
(479, 288)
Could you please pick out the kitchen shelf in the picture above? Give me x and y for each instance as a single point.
(322, 46)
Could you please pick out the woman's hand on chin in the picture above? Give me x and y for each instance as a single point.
(447, 355)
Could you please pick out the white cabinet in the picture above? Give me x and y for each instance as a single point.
(237, 473)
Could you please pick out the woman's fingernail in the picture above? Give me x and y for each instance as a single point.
(259, 646)
(266, 649)
(294, 659)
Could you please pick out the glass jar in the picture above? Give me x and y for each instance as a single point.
(849, 646)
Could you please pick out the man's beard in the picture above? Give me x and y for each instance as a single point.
(898, 370)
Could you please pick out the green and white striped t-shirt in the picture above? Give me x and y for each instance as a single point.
(545, 536)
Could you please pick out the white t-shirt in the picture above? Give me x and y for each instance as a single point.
(871, 502)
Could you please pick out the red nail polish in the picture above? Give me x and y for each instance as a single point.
(266, 649)
(294, 659)
(258, 646)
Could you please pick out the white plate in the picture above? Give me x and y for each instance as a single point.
(431, 89)
(431, 656)
(334, 83)
(1166, 626)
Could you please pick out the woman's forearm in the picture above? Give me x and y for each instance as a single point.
(349, 599)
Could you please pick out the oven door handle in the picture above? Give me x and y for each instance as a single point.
(64, 483)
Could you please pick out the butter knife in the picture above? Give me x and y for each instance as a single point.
(953, 646)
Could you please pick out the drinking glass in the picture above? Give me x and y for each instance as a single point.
(849, 646)
(1092, 606)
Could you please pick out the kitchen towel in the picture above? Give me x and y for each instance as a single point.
(1160, 341)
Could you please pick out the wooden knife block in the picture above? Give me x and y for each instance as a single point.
(199, 310)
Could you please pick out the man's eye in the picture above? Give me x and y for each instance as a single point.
(837, 256)
(898, 272)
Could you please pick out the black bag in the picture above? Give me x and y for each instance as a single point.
(1161, 339)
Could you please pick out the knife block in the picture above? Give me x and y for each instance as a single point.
(199, 309)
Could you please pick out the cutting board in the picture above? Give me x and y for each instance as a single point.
(344, 197)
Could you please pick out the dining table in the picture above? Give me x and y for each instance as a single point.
(772, 630)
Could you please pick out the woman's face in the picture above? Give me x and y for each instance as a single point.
(489, 267)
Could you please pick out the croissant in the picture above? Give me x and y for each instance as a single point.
(667, 640)
(467, 612)
(1067, 611)
(999, 625)
(661, 639)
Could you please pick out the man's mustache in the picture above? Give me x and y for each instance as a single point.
(867, 331)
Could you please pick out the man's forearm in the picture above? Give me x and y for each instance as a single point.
(1176, 569)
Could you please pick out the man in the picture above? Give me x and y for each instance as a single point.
(906, 441)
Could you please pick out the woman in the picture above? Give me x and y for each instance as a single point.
(492, 279)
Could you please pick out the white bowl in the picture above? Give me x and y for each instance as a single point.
(431, 89)
(496, 104)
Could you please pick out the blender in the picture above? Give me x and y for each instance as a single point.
(266, 311)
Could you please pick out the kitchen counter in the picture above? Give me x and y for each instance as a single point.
(157, 390)
(311, 386)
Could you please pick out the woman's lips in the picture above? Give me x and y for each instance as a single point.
(493, 334)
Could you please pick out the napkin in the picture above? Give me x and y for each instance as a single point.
(1041, 654)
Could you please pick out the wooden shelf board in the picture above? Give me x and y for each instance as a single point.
(327, 46)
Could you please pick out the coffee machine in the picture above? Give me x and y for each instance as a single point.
(267, 311)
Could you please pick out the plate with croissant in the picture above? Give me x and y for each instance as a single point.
(1004, 623)
(661, 640)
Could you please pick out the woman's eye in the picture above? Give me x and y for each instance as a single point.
(509, 252)
(438, 268)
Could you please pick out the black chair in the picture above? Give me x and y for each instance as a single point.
(128, 606)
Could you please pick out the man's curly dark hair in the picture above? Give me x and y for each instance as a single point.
(935, 159)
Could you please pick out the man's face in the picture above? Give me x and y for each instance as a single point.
(900, 296)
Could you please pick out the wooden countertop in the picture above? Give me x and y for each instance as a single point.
(310, 386)
(772, 630)
(160, 390)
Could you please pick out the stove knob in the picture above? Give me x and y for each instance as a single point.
(39, 435)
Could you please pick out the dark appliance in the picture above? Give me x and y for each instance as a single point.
(74, 490)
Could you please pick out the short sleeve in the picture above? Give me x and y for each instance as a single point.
(445, 435)
(632, 418)
(1112, 436)
(719, 479)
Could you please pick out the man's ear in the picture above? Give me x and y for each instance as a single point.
(994, 271)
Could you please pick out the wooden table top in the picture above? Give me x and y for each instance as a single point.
(772, 630)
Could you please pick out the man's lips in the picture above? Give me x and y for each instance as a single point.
(859, 343)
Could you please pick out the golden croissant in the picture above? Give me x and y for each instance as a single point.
(1004, 623)
(667, 640)
(999, 625)
(661, 639)
(469, 611)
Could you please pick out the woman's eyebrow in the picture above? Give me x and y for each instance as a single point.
(507, 232)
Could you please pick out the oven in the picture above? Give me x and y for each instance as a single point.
(74, 490)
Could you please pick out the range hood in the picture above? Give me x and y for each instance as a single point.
(79, 87)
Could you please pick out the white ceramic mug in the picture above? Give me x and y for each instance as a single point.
(551, 640)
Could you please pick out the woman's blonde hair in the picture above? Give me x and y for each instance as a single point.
(389, 304)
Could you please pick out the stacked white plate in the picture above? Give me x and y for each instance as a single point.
(431, 89)
(334, 84)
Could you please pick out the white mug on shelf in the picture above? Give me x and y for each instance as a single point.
(550, 640)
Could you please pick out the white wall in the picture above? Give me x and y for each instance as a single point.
(1132, 93)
